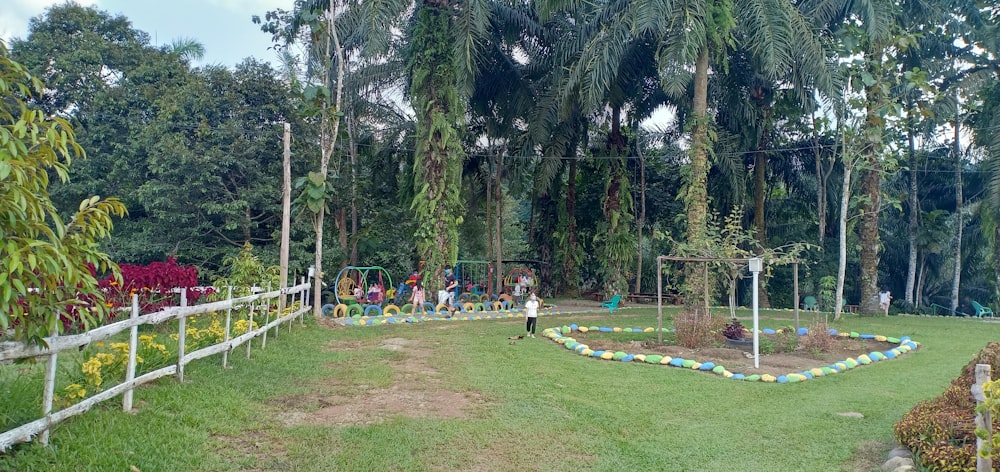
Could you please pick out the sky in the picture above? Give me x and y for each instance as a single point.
(224, 27)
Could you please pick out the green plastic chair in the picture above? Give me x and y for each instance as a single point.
(810, 303)
(612, 304)
(982, 311)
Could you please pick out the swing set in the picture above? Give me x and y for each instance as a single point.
(351, 277)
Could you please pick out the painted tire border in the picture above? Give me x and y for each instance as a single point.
(560, 335)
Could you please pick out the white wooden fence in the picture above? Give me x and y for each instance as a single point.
(15, 350)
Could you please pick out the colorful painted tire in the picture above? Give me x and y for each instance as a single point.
(464, 297)
(356, 309)
(390, 310)
(328, 309)
(340, 310)
(441, 308)
(478, 307)
(496, 306)
(371, 308)
(458, 307)
(484, 298)
(429, 307)
(468, 307)
(408, 308)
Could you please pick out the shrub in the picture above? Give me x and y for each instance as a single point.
(941, 431)
(734, 330)
(693, 330)
(818, 338)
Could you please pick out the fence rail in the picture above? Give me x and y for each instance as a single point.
(56, 344)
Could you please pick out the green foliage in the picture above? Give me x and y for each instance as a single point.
(244, 272)
(941, 431)
(49, 275)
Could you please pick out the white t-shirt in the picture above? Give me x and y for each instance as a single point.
(531, 308)
(883, 298)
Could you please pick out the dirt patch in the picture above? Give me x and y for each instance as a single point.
(869, 456)
(741, 360)
(256, 444)
(416, 392)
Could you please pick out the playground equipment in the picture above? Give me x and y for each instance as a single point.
(351, 277)
(518, 282)
(474, 280)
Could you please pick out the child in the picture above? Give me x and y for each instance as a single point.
(417, 299)
(531, 315)
(884, 298)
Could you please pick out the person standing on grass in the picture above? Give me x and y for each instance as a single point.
(531, 315)
(417, 299)
(884, 298)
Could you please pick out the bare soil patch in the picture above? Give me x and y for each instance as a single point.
(417, 391)
(741, 360)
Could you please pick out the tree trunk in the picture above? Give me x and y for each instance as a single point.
(845, 199)
(438, 158)
(642, 215)
(914, 221)
(352, 136)
(696, 199)
(920, 281)
(490, 249)
(871, 188)
(498, 227)
(329, 127)
(571, 270)
(959, 201)
(616, 215)
(760, 223)
(821, 182)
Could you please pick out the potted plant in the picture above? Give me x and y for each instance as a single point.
(736, 335)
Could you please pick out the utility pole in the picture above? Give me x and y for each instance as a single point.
(286, 214)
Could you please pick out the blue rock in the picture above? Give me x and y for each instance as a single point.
(769, 331)
(597, 354)
(676, 362)
(890, 354)
(833, 332)
(782, 379)
(738, 376)
(867, 336)
(628, 358)
(803, 331)
(573, 327)
(807, 374)
(605, 329)
(904, 339)
(707, 366)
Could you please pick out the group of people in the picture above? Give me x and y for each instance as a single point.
(376, 294)
(446, 297)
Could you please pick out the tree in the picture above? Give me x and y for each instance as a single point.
(49, 283)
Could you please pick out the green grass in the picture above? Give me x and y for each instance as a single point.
(540, 406)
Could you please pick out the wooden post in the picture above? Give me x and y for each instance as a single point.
(705, 267)
(133, 349)
(250, 328)
(286, 214)
(984, 419)
(48, 395)
(181, 338)
(795, 290)
(302, 303)
(229, 317)
(267, 319)
(659, 300)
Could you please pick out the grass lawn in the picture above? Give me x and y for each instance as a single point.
(457, 395)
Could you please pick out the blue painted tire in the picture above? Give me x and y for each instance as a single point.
(328, 309)
(371, 308)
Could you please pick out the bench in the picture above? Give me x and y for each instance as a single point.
(671, 298)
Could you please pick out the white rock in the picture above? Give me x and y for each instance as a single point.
(851, 414)
(897, 463)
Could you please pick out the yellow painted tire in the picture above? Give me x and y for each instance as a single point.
(340, 310)
(496, 306)
(441, 308)
(468, 307)
(390, 310)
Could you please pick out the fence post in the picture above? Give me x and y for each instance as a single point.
(302, 304)
(181, 338)
(229, 315)
(133, 349)
(48, 395)
(250, 327)
(983, 420)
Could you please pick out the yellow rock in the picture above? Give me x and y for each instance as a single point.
(648, 330)
(586, 352)
(844, 335)
(880, 338)
(666, 360)
(695, 366)
(617, 330)
(768, 378)
(607, 356)
(896, 351)
(640, 357)
(816, 371)
(583, 329)
(727, 374)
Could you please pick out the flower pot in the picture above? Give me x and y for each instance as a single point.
(740, 343)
